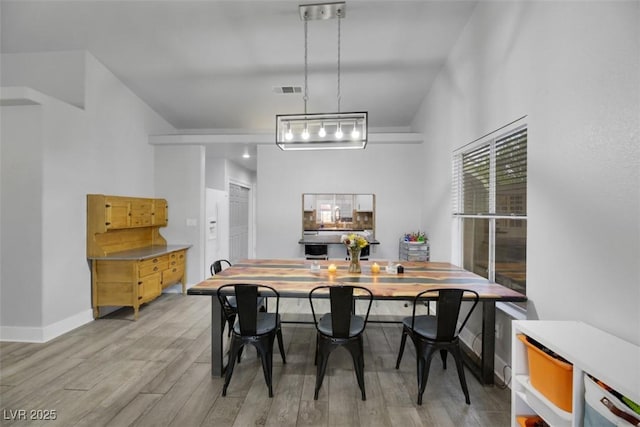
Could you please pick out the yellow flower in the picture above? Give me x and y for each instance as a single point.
(354, 241)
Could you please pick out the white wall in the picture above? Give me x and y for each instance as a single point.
(21, 171)
(180, 178)
(573, 68)
(101, 149)
(393, 172)
(215, 170)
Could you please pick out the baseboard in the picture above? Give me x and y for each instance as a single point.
(46, 333)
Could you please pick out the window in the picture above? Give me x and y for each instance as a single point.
(490, 206)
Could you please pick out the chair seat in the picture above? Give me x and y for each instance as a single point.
(265, 322)
(427, 326)
(324, 325)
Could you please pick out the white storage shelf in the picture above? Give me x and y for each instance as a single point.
(413, 251)
(590, 350)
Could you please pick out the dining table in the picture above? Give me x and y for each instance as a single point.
(294, 278)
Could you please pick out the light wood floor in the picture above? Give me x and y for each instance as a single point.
(156, 372)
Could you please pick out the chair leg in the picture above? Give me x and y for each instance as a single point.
(281, 345)
(426, 358)
(315, 357)
(267, 366)
(463, 381)
(236, 347)
(322, 359)
(403, 341)
(443, 356)
(356, 350)
(230, 321)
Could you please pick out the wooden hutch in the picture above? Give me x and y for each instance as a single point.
(131, 262)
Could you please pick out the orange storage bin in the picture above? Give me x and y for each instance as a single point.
(550, 376)
(529, 421)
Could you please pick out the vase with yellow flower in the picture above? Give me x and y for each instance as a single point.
(354, 244)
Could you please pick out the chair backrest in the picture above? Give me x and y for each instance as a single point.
(341, 299)
(247, 303)
(448, 302)
(216, 267)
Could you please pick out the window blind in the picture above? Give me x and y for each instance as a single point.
(491, 179)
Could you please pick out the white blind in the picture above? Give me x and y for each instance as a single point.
(491, 178)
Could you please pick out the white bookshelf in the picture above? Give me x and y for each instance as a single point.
(608, 358)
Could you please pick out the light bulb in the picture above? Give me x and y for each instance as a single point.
(322, 132)
(355, 133)
(339, 133)
(288, 135)
(305, 133)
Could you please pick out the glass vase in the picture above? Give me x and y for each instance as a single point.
(354, 265)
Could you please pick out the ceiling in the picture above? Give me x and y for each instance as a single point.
(210, 66)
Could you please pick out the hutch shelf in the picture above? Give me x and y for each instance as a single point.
(131, 262)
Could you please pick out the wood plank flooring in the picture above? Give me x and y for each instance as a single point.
(156, 372)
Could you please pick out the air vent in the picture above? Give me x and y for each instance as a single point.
(285, 90)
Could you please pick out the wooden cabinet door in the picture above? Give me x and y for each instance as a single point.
(149, 287)
(141, 212)
(160, 210)
(117, 210)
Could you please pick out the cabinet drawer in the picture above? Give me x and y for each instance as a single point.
(172, 275)
(153, 265)
(178, 257)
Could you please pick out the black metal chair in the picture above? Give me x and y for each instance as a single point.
(229, 305)
(340, 327)
(254, 327)
(216, 267)
(430, 333)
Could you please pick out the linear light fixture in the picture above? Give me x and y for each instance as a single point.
(321, 131)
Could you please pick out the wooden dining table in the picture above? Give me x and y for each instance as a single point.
(294, 278)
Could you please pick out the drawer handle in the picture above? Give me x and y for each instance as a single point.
(139, 297)
(155, 260)
(175, 269)
(140, 283)
(155, 268)
(107, 223)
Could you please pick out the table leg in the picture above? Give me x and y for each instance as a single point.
(488, 341)
(217, 324)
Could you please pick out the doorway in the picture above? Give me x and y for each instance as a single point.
(239, 197)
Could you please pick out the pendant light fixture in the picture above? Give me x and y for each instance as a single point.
(318, 131)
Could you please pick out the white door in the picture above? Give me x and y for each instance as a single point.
(238, 223)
